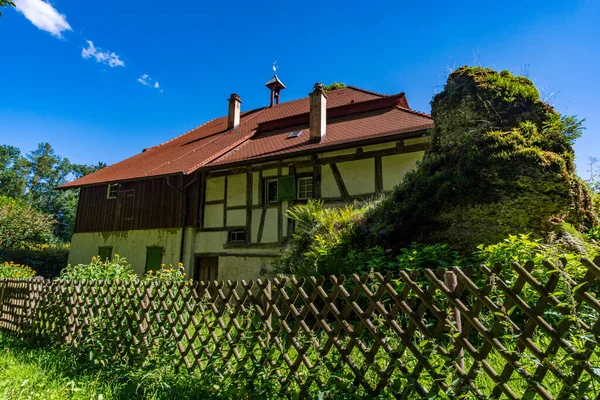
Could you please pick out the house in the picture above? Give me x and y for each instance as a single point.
(215, 198)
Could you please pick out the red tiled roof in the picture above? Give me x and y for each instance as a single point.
(353, 115)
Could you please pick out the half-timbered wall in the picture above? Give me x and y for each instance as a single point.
(149, 212)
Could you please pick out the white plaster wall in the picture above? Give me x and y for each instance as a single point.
(328, 185)
(396, 166)
(236, 218)
(213, 215)
(270, 227)
(358, 176)
(129, 244)
(247, 268)
(236, 190)
(215, 188)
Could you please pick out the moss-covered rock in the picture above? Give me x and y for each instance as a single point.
(501, 162)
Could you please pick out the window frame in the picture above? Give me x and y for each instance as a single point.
(234, 232)
(162, 253)
(116, 191)
(312, 191)
(266, 190)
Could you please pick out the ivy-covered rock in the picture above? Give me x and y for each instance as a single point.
(501, 162)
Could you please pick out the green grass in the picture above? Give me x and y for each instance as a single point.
(46, 373)
(52, 372)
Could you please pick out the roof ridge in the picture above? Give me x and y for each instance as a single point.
(208, 143)
(183, 134)
(370, 91)
(410, 110)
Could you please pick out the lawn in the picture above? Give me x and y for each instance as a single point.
(30, 372)
(35, 373)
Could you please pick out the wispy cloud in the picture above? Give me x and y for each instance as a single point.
(101, 56)
(146, 80)
(44, 16)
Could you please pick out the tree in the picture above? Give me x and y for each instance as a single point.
(21, 226)
(13, 172)
(6, 3)
(334, 86)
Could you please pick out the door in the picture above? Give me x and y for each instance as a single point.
(206, 269)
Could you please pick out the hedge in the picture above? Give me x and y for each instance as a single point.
(46, 262)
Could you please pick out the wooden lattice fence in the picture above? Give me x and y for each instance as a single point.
(491, 333)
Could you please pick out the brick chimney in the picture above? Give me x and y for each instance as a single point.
(318, 113)
(233, 117)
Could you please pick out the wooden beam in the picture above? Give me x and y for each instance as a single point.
(214, 202)
(316, 178)
(249, 184)
(378, 175)
(225, 203)
(261, 226)
(279, 212)
(399, 149)
(340, 182)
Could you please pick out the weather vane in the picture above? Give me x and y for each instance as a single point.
(275, 67)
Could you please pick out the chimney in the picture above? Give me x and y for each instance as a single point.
(318, 113)
(233, 117)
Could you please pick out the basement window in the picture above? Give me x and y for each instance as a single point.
(305, 188)
(237, 236)
(113, 189)
(271, 192)
(105, 253)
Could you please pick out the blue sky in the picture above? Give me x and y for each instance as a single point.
(155, 70)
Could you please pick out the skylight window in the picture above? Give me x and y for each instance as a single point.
(295, 134)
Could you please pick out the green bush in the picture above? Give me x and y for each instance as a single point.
(21, 226)
(319, 231)
(48, 261)
(15, 271)
(116, 269)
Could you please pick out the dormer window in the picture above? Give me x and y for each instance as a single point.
(113, 189)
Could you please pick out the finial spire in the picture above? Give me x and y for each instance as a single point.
(275, 85)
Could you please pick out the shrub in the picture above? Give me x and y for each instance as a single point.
(15, 271)
(116, 269)
(319, 231)
(21, 226)
(47, 260)
(594, 233)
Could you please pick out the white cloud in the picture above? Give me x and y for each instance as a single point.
(101, 56)
(44, 16)
(147, 81)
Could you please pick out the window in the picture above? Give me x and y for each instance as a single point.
(305, 188)
(271, 191)
(113, 189)
(237, 236)
(153, 258)
(105, 253)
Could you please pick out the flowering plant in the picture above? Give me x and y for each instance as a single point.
(9, 269)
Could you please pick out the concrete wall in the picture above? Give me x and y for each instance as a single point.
(129, 244)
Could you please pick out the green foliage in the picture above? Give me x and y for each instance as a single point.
(47, 260)
(419, 256)
(6, 3)
(334, 86)
(21, 226)
(501, 162)
(8, 269)
(594, 233)
(33, 179)
(318, 230)
(116, 269)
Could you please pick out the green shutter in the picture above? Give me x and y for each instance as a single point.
(153, 258)
(105, 253)
(286, 188)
